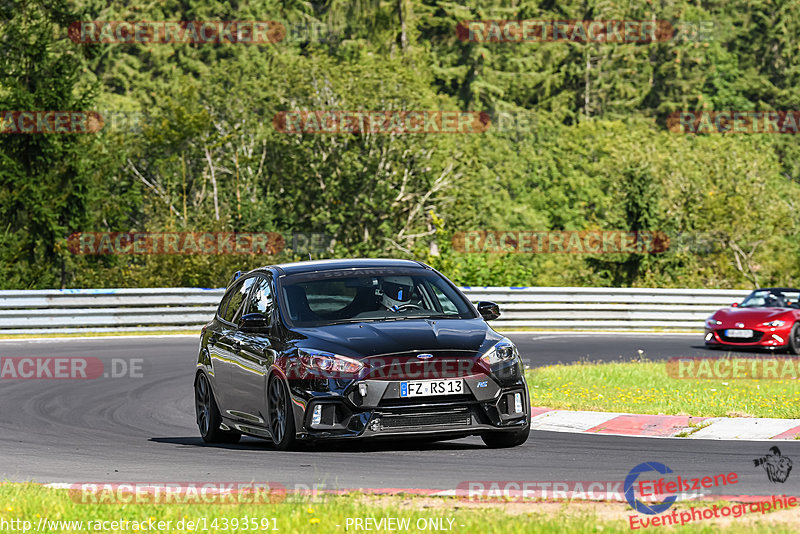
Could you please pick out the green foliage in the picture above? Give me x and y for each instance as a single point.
(593, 154)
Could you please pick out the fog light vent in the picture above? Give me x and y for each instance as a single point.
(317, 417)
(517, 402)
(362, 389)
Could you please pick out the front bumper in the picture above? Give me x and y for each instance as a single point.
(344, 413)
(772, 338)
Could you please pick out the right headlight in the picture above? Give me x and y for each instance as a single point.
(503, 351)
(332, 365)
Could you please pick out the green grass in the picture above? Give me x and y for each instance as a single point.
(645, 387)
(32, 502)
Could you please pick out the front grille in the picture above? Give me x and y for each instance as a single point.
(752, 339)
(450, 418)
(434, 399)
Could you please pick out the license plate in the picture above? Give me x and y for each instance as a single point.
(429, 388)
(739, 333)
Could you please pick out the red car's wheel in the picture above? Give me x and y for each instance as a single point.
(794, 339)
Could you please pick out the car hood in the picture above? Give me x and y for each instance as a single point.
(391, 337)
(749, 316)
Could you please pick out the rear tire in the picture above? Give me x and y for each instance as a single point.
(208, 416)
(794, 339)
(281, 418)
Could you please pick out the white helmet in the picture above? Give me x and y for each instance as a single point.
(396, 290)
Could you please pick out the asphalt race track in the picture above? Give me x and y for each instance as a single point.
(142, 429)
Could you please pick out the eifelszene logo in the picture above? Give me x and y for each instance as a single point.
(656, 489)
(630, 484)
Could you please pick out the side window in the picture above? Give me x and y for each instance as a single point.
(260, 299)
(447, 304)
(226, 298)
(238, 295)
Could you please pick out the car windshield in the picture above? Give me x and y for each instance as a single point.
(357, 295)
(772, 298)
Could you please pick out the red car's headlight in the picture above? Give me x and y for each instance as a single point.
(774, 323)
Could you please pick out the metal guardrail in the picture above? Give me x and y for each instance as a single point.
(581, 308)
(106, 310)
(569, 308)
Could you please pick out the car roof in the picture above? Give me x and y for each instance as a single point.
(777, 289)
(354, 263)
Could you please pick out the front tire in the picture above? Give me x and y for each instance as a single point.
(504, 440)
(794, 339)
(208, 416)
(281, 418)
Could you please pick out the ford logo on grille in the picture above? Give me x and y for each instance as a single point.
(424, 356)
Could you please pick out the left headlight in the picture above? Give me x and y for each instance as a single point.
(776, 322)
(503, 351)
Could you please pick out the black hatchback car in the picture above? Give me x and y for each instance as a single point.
(347, 349)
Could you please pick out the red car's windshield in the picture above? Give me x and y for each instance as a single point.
(772, 298)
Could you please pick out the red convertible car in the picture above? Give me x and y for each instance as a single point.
(768, 318)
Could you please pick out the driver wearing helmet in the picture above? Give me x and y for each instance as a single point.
(396, 292)
(774, 301)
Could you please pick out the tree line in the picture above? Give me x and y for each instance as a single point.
(575, 137)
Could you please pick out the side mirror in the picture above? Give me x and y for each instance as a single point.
(735, 305)
(253, 322)
(488, 310)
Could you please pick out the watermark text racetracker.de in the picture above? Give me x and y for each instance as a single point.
(252, 32)
(74, 122)
(583, 31)
(726, 368)
(734, 122)
(190, 243)
(560, 242)
(398, 122)
(68, 368)
(185, 493)
(532, 490)
(170, 32)
(50, 122)
(319, 364)
(205, 492)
